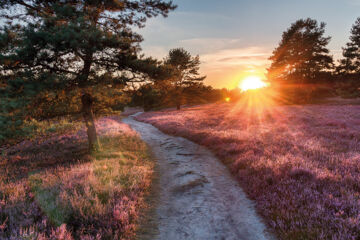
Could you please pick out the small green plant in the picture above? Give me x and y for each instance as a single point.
(47, 199)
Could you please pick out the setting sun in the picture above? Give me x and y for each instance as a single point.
(252, 82)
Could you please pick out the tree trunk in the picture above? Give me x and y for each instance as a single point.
(87, 102)
(178, 98)
(86, 70)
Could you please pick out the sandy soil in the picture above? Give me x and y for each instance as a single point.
(199, 199)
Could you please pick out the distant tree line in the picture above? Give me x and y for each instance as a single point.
(179, 84)
(302, 68)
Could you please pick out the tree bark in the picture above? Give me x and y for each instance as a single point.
(87, 102)
(86, 69)
(178, 98)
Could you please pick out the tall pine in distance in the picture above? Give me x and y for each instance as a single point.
(350, 64)
(66, 44)
(184, 70)
(302, 55)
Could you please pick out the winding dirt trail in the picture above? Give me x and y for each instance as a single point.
(199, 200)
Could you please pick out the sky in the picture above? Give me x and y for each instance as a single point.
(234, 38)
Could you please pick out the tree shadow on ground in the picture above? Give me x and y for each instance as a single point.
(18, 161)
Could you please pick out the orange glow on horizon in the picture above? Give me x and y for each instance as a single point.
(252, 83)
(231, 78)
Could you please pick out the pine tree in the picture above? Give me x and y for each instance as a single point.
(350, 64)
(302, 55)
(184, 70)
(63, 44)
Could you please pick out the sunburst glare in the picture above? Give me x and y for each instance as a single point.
(251, 83)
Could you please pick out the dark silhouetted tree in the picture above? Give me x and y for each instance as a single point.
(66, 44)
(302, 55)
(184, 72)
(350, 64)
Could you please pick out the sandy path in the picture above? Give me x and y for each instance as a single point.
(199, 199)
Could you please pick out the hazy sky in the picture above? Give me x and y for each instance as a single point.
(234, 38)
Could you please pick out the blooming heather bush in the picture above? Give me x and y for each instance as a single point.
(301, 164)
(301, 174)
(51, 189)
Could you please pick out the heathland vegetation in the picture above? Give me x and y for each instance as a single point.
(66, 178)
(299, 163)
(51, 188)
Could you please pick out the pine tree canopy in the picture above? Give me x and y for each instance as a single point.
(350, 64)
(184, 67)
(302, 53)
(72, 42)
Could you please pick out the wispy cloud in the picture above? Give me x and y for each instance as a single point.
(249, 56)
(209, 45)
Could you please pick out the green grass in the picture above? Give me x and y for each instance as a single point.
(32, 129)
(35, 128)
(47, 199)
